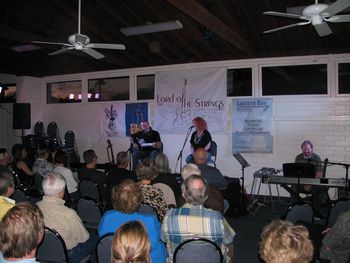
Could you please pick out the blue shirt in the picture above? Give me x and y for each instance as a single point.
(113, 219)
(26, 260)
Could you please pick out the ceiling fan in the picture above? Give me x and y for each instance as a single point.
(82, 42)
(318, 15)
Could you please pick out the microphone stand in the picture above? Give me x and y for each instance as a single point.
(179, 158)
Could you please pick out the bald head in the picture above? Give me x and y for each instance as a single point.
(200, 156)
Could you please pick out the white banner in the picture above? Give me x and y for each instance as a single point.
(113, 119)
(252, 125)
(185, 94)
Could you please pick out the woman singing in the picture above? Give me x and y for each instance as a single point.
(200, 138)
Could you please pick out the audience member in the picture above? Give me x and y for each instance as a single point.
(200, 138)
(146, 144)
(5, 160)
(19, 165)
(7, 188)
(21, 230)
(130, 244)
(41, 165)
(126, 200)
(213, 176)
(215, 200)
(65, 220)
(193, 220)
(152, 196)
(336, 243)
(283, 242)
(165, 176)
(90, 172)
(72, 185)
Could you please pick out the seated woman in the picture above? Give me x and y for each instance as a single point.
(126, 200)
(19, 165)
(165, 176)
(283, 242)
(152, 196)
(131, 244)
(200, 138)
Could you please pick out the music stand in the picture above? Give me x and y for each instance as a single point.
(244, 164)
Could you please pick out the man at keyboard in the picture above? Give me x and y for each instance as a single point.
(317, 192)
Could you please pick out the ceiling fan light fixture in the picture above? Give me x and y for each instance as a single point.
(152, 28)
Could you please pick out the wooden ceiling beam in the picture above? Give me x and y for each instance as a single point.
(203, 16)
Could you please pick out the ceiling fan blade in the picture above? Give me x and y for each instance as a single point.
(336, 7)
(61, 51)
(106, 46)
(280, 14)
(323, 29)
(93, 53)
(286, 27)
(338, 19)
(52, 43)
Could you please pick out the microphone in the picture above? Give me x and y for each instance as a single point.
(191, 127)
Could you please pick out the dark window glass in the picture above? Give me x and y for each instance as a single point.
(108, 89)
(294, 80)
(63, 92)
(344, 78)
(8, 93)
(145, 87)
(239, 82)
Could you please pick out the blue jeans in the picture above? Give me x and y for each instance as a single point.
(82, 250)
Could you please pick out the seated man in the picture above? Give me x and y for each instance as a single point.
(90, 172)
(213, 176)
(21, 230)
(146, 144)
(7, 188)
(193, 220)
(41, 164)
(65, 220)
(336, 243)
(283, 242)
(318, 192)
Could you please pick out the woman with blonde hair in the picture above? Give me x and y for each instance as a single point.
(130, 244)
(283, 242)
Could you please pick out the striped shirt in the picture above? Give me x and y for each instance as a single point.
(196, 221)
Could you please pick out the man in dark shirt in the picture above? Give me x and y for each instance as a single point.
(146, 144)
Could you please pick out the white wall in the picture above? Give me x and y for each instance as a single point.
(325, 120)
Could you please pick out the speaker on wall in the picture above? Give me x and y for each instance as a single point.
(21, 116)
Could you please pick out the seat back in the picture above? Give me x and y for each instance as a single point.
(39, 129)
(147, 210)
(19, 196)
(38, 180)
(53, 134)
(168, 194)
(89, 212)
(340, 206)
(213, 150)
(198, 250)
(52, 248)
(89, 188)
(104, 249)
(300, 212)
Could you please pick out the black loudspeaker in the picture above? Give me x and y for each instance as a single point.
(21, 116)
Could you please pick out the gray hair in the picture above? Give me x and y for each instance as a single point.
(307, 142)
(190, 169)
(195, 189)
(53, 184)
(89, 156)
(162, 163)
(123, 158)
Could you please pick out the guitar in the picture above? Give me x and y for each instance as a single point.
(110, 149)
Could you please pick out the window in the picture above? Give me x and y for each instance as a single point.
(108, 89)
(344, 78)
(8, 93)
(294, 80)
(239, 82)
(63, 92)
(145, 87)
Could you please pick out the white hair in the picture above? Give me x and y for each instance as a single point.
(53, 184)
(190, 169)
